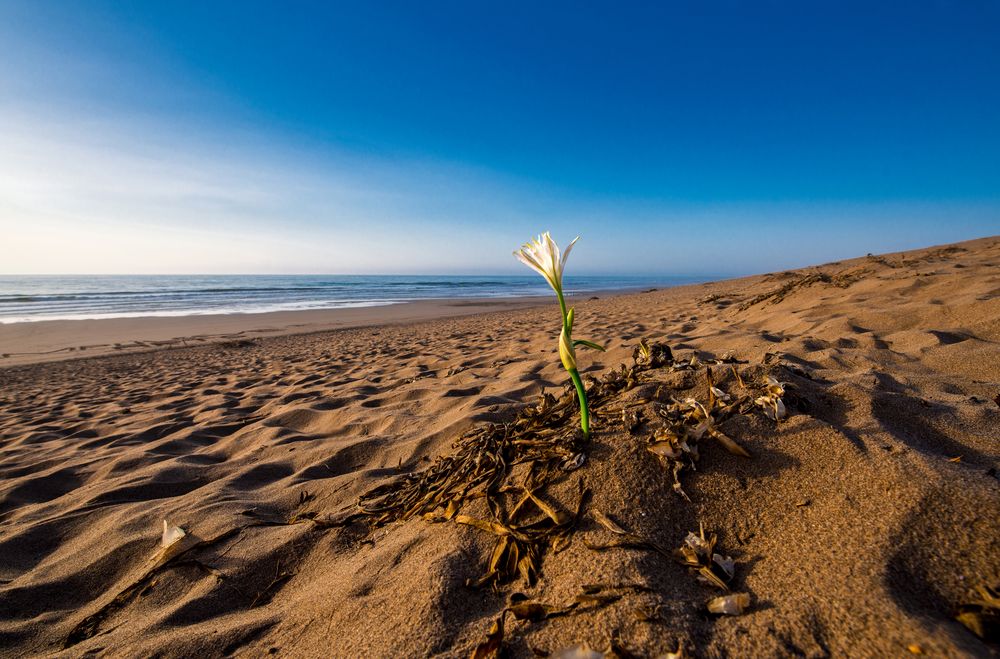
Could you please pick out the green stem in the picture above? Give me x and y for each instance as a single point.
(562, 307)
(581, 394)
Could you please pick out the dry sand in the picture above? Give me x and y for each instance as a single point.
(858, 526)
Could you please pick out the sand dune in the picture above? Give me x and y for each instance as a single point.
(859, 525)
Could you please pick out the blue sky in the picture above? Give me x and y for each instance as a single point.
(704, 138)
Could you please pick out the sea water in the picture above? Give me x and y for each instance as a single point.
(67, 297)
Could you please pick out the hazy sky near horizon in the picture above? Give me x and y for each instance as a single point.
(435, 137)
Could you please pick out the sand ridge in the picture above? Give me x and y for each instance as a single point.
(858, 526)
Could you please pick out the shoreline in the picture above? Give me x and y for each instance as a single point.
(40, 341)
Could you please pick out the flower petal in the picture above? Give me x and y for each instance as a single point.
(552, 250)
(565, 256)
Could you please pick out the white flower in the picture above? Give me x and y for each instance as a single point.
(541, 254)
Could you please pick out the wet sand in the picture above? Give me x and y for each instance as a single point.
(54, 340)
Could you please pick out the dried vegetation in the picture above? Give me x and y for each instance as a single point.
(841, 279)
(502, 478)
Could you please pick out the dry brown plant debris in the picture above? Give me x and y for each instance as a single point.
(505, 473)
(981, 614)
(841, 279)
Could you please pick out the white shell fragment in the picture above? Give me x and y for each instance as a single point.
(574, 462)
(577, 652)
(727, 564)
(721, 395)
(774, 407)
(665, 449)
(674, 655)
(729, 605)
(171, 534)
(698, 544)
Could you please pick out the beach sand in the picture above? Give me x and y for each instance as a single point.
(858, 526)
(55, 340)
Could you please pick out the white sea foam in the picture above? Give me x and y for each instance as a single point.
(39, 298)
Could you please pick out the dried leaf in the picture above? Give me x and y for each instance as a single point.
(491, 527)
(677, 481)
(982, 615)
(608, 523)
(498, 553)
(527, 569)
(647, 613)
(739, 379)
(730, 445)
(561, 543)
(559, 517)
(533, 611)
(708, 576)
(665, 450)
(490, 648)
(698, 553)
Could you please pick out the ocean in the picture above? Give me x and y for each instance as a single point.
(69, 297)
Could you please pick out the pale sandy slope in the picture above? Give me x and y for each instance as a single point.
(893, 452)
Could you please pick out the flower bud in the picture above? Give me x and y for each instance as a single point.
(566, 352)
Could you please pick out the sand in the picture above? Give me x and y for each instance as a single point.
(55, 340)
(859, 525)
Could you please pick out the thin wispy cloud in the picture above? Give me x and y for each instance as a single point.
(176, 200)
